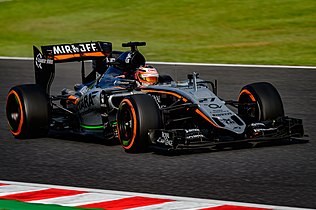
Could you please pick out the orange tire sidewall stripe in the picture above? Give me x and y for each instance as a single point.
(129, 103)
(247, 92)
(16, 133)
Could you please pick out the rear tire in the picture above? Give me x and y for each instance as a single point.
(267, 103)
(137, 114)
(27, 110)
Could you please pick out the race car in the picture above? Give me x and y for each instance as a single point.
(142, 110)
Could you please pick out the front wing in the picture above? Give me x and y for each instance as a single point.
(280, 129)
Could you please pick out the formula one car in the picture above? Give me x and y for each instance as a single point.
(165, 114)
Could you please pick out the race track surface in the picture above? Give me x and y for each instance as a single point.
(275, 174)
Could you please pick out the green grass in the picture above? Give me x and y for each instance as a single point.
(212, 31)
(17, 205)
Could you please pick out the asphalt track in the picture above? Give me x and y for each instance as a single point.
(274, 174)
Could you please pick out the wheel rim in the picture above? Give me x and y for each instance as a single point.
(250, 108)
(127, 124)
(14, 112)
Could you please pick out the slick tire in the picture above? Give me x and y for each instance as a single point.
(27, 110)
(137, 114)
(259, 102)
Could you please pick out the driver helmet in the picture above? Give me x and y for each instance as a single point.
(147, 75)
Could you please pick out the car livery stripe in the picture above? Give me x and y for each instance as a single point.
(60, 196)
(206, 118)
(91, 127)
(78, 55)
(166, 92)
(184, 100)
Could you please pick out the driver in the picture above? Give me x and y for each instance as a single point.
(146, 75)
(130, 65)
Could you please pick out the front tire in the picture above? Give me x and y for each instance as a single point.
(259, 101)
(137, 114)
(27, 110)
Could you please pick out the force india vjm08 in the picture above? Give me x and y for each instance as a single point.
(124, 98)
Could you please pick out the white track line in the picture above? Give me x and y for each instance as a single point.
(175, 198)
(232, 65)
(15, 58)
(197, 64)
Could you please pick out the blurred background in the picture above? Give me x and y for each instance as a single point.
(208, 31)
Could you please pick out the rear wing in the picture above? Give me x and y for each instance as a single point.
(44, 62)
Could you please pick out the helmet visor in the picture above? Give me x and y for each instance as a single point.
(150, 78)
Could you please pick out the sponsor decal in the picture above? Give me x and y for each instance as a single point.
(128, 58)
(75, 48)
(192, 137)
(110, 60)
(39, 60)
(192, 130)
(120, 82)
(158, 101)
(193, 134)
(37, 63)
(86, 102)
(215, 106)
(228, 121)
(165, 139)
(157, 98)
(223, 114)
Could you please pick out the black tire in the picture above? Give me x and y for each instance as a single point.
(137, 114)
(267, 102)
(27, 110)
